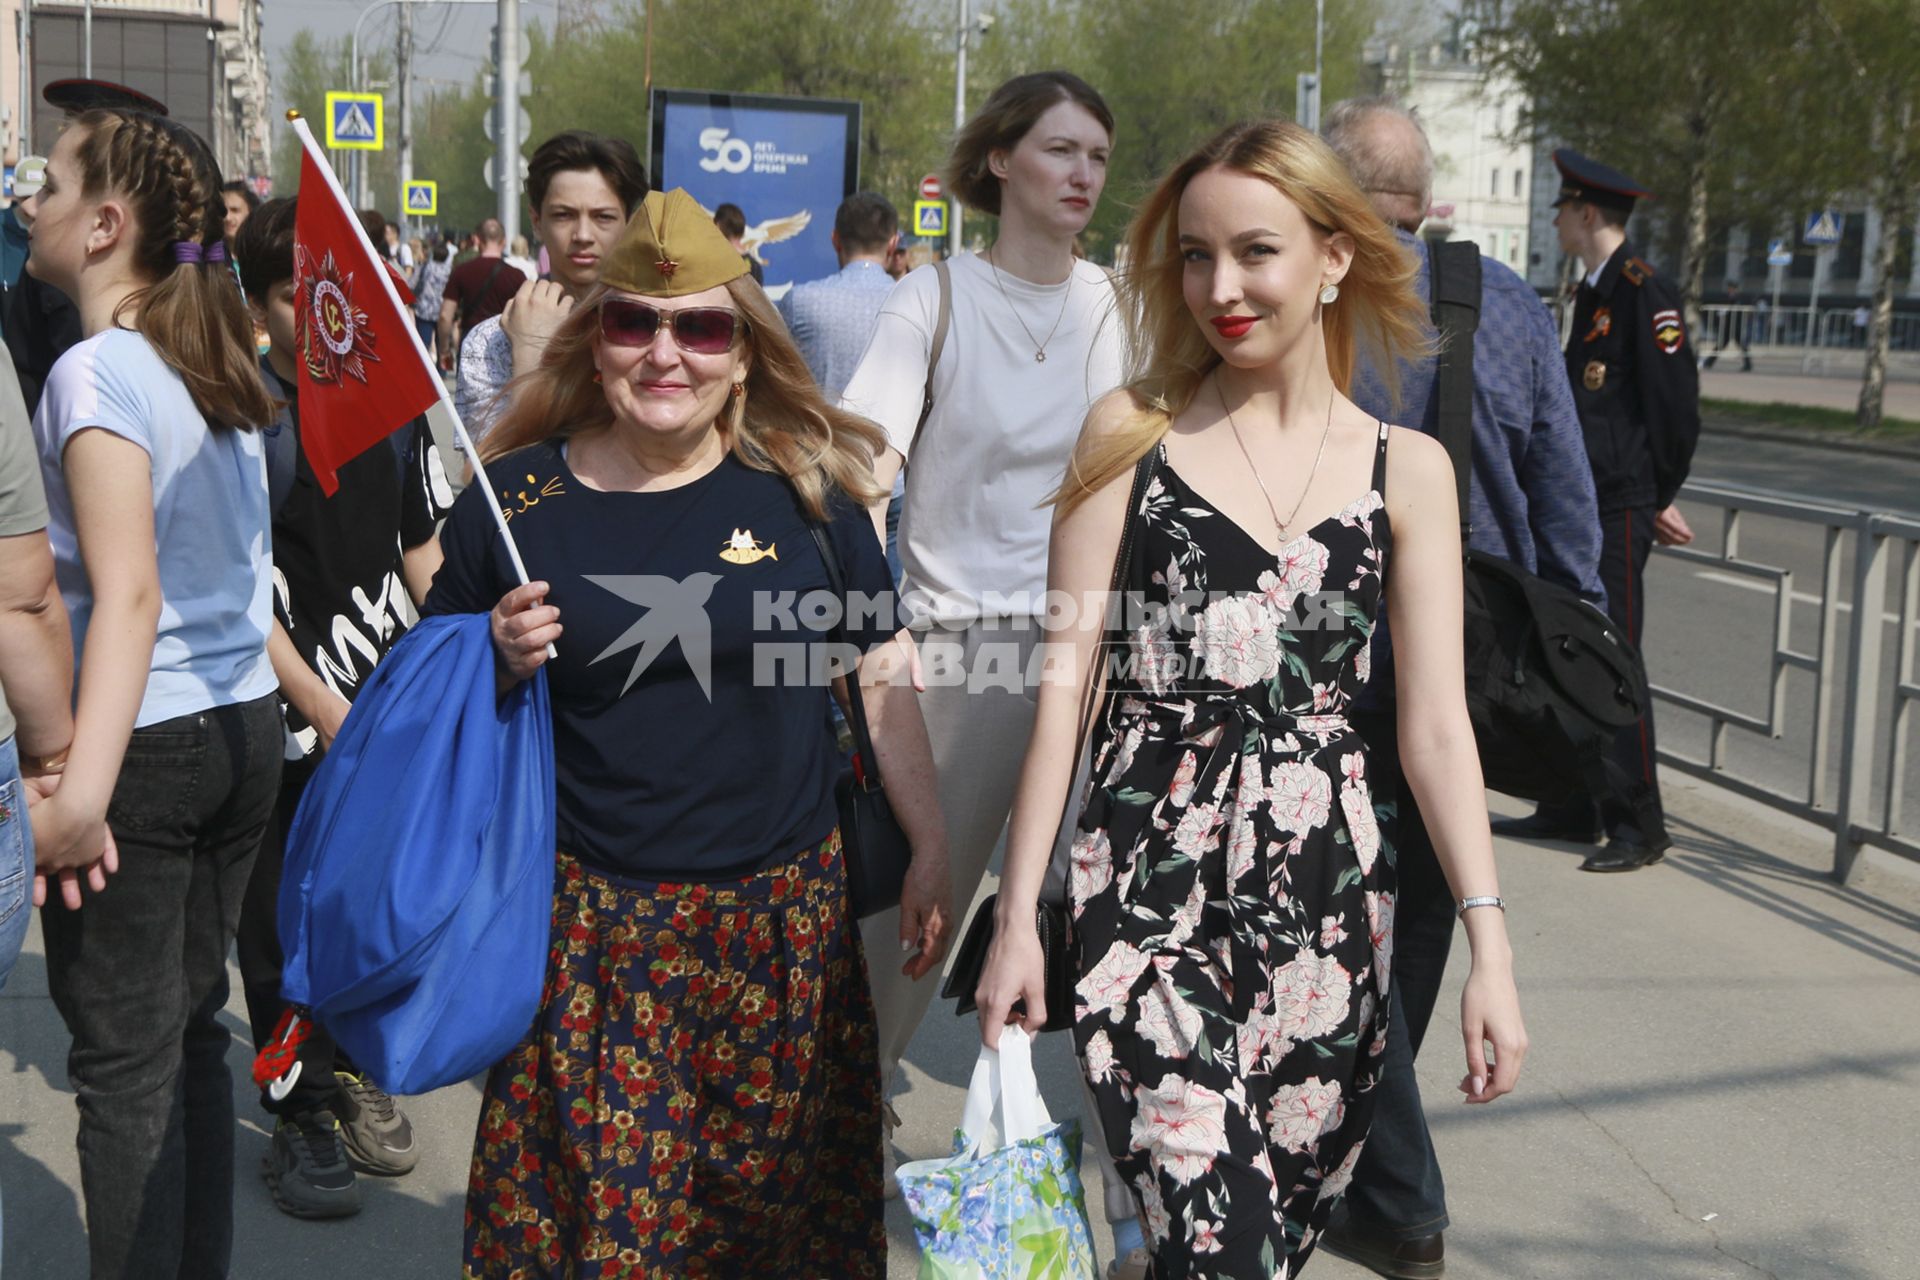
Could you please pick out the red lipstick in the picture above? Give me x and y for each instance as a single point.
(1232, 326)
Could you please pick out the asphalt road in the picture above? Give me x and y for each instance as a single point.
(1711, 629)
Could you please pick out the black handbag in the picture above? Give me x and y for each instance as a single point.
(1051, 919)
(1550, 678)
(872, 843)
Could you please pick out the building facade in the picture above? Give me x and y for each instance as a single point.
(1482, 180)
(204, 58)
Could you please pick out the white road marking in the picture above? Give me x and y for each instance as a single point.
(1768, 589)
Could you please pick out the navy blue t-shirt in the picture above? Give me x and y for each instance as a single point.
(658, 776)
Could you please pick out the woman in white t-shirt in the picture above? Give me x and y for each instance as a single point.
(1032, 341)
(157, 503)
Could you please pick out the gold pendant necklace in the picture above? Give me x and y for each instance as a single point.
(1273, 510)
(1039, 347)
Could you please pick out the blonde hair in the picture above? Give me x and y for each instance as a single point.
(780, 425)
(1171, 357)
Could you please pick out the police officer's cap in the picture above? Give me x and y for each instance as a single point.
(77, 95)
(1591, 182)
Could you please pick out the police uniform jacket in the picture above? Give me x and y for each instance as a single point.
(1634, 383)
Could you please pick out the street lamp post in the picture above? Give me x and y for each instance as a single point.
(357, 182)
(965, 25)
(959, 108)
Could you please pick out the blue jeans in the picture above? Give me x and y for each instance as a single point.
(139, 975)
(16, 859)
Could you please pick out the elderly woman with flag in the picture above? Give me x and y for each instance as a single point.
(697, 1094)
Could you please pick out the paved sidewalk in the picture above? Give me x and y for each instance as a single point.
(1725, 1082)
(1902, 398)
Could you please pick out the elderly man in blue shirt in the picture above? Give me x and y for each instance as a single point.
(832, 319)
(1532, 502)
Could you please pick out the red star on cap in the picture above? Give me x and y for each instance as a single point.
(666, 267)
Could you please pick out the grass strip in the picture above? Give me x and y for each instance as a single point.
(1804, 417)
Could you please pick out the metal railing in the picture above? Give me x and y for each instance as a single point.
(1834, 328)
(1848, 696)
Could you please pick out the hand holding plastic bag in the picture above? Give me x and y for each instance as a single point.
(1008, 1203)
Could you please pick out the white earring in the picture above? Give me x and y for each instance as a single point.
(1328, 294)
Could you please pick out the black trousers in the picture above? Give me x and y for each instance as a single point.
(1626, 541)
(139, 976)
(1397, 1186)
(260, 957)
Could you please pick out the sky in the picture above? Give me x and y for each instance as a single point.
(451, 41)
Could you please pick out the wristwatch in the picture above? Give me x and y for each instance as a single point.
(1468, 904)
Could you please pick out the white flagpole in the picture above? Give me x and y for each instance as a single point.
(419, 346)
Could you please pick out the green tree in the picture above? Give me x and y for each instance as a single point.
(1171, 77)
(310, 69)
(1667, 92)
(1872, 131)
(1172, 73)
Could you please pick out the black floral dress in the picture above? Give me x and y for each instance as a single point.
(1232, 895)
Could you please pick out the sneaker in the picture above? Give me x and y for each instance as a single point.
(306, 1167)
(1131, 1267)
(890, 1162)
(377, 1133)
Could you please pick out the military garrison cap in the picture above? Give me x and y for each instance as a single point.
(1591, 182)
(78, 95)
(670, 249)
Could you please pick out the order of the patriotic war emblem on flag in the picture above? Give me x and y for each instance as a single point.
(334, 336)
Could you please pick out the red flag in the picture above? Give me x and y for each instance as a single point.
(362, 376)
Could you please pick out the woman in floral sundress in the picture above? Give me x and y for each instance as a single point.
(1231, 889)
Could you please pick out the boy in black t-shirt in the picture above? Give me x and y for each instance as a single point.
(348, 572)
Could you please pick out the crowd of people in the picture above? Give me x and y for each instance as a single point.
(1265, 821)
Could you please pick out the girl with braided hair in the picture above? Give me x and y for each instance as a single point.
(157, 497)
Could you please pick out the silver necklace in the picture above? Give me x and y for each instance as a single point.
(1264, 492)
(1039, 347)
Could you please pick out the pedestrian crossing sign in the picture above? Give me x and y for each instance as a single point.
(354, 122)
(930, 217)
(423, 199)
(1823, 228)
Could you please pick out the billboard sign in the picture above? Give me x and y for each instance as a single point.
(787, 162)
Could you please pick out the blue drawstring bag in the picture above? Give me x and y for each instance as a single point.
(418, 889)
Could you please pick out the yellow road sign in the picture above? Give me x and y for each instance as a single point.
(929, 217)
(354, 122)
(423, 199)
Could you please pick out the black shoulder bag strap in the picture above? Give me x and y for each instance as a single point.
(943, 318)
(869, 763)
(1454, 291)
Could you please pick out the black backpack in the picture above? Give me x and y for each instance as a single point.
(1550, 678)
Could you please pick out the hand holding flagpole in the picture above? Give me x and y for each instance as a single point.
(343, 335)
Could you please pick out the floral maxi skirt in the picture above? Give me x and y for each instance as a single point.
(699, 1094)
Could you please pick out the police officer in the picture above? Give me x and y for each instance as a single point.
(39, 321)
(1637, 390)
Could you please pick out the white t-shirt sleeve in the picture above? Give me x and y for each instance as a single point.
(891, 380)
(92, 387)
